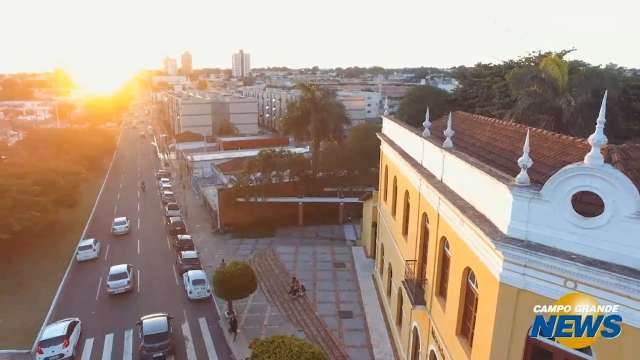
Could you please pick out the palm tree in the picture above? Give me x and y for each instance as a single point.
(315, 116)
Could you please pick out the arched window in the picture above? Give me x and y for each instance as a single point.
(445, 259)
(405, 214)
(386, 183)
(394, 197)
(389, 280)
(381, 265)
(415, 344)
(399, 309)
(469, 306)
(424, 247)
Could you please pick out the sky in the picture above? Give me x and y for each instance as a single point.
(102, 43)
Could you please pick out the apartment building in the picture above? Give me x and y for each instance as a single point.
(241, 64)
(478, 220)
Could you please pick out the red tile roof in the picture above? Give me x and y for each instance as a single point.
(498, 144)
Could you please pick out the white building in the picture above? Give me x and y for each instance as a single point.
(240, 64)
(241, 112)
(360, 105)
(170, 66)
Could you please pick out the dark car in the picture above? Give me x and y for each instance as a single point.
(176, 226)
(167, 197)
(184, 243)
(156, 336)
(163, 174)
(188, 260)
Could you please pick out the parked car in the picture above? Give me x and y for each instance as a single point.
(196, 285)
(167, 197)
(163, 174)
(188, 260)
(156, 336)
(172, 209)
(59, 340)
(184, 243)
(88, 249)
(165, 186)
(121, 279)
(120, 225)
(176, 226)
(164, 181)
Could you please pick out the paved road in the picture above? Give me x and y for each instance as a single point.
(109, 330)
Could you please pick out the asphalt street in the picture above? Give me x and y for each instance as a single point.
(108, 321)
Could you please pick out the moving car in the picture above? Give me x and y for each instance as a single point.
(163, 174)
(156, 336)
(59, 340)
(167, 197)
(176, 226)
(120, 279)
(88, 249)
(184, 243)
(172, 209)
(188, 260)
(196, 285)
(120, 225)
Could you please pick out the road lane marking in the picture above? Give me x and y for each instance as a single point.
(208, 341)
(108, 344)
(138, 283)
(138, 223)
(118, 195)
(99, 284)
(138, 246)
(168, 244)
(120, 185)
(128, 345)
(115, 209)
(175, 274)
(138, 206)
(106, 253)
(188, 341)
(86, 351)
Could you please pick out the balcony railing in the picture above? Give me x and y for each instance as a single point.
(415, 283)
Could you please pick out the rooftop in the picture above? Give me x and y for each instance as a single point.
(232, 154)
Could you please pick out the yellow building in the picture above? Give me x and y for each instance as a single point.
(478, 220)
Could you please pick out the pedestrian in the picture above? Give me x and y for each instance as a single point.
(295, 286)
(233, 326)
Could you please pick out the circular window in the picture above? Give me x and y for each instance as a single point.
(587, 204)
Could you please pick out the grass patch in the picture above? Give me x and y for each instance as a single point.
(32, 269)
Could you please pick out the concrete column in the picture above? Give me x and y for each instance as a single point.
(341, 214)
(300, 214)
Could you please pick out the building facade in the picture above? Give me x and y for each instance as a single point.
(240, 65)
(474, 229)
(186, 62)
(170, 66)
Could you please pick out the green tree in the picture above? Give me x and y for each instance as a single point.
(363, 147)
(315, 116)
(234, 281)
(415, 102)
(281, 347)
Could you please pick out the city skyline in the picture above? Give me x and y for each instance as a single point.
(369, 34)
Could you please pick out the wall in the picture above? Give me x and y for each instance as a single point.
(369, 218)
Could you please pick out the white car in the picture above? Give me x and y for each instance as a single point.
(59, 339)
(88, 249)
(120, 225)
(172, 209)
(165, 187)
(196, 284)
(120, 279)
(164, 180)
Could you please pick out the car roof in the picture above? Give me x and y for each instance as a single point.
(118, 268)
(173, 203)
(121, 218)
(175, 218)
(167, 192)
(165, 179)
(184, 237)
(197, 274)
(155, 323)
(57, 328)
(189, 254)
(86, 242)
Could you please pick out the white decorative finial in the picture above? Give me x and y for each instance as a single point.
(426, 124)
(386, 106)
(598, 139)
(449, 134)
(525, 163)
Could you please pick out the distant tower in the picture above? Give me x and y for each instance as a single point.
(240, 64)
(170, 66)
(186, 63)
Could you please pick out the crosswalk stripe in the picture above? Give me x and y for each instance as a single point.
(208, 342)
(188, 341)
(86, 351)
(128, 345)
(108, 344)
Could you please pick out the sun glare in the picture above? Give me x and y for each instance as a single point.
(99, 82)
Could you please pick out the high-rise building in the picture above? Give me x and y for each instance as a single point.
(241, 64)
(186, 63)
(170, 66)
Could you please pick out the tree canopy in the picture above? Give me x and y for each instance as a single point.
(281, 347)
(414, 104)
(234, 281)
